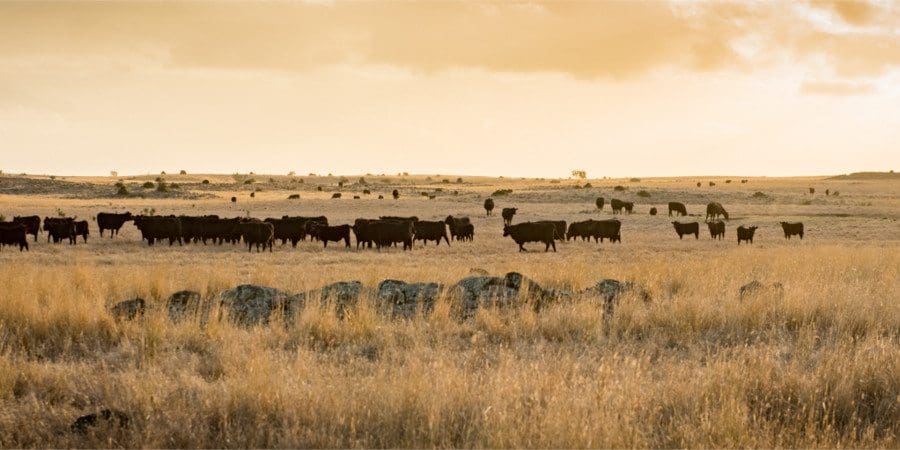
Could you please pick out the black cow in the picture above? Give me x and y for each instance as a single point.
(466, 232)
(607, 229)
(335, 233)
(431, 231)
(363, 232)
(714, 210)
(745, 234)
(616, 205)
(155, 228)
(687, 228)
(629, 207)
(599, 202)
(307, 222)
(81, 229)
(508, 214)
(293, 230)
(678, 208)
(791, 229)
(59, 228)
(532, 232)
(456, 225)
(388, 232)
(32, 224)
(13, 233)
(559, 227)
(489, 206)
(400, 218)
(255, 232)
(581, 230)
(716, 229)
(112, 222)
(395, 194)
(653, 211)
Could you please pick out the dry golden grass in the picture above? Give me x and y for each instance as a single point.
(696, 367)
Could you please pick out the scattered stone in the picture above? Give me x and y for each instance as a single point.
(129, 309)
(484, 291)
(611, 290)
(108, 417)
(344, 295)
(756, 288)
(250, 305)
(183, 304)
(405, 299)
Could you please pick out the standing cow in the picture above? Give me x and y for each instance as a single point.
(745, 234)
(599, 202)
(716, 229)
(32, 224)
(489, 206)
(112, 222)
(687, 228)
(508, 214)
(791, 229)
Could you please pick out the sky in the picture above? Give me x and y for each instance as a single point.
(532, 89)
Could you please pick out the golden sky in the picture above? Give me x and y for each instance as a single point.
(495, 88)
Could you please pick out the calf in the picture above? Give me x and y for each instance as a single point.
(678, 208)
(791, 229)
(13, 233)
(532, 232)
(745, 234)
(616, 205)
(508, 214)
(32, 224)
(716, 229)
(81, 229)
(687, 228)
(59, 228)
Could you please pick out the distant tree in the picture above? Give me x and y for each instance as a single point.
(577, 173)
(459, 180)
(113, 173)
(182, 172)
(148, 185)
(204, 182)
(292, 173)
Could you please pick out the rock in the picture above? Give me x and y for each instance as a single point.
(482, 291)
(250, 305)
(182, 304)
(129, 309)
(404, 299)
(478, 271)
(611, 290)
(344, 294)
(108, 417)
(756, 288)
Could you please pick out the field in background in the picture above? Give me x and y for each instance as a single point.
(695, 367)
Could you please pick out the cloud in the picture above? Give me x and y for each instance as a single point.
(581, 39)
(840, 88)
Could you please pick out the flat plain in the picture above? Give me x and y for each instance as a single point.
(695, 366)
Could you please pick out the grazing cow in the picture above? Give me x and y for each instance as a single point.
(508, 214)
(745, 234)
(687, 228)
(812, 191)
(335, 233)
(791, 229)
(289, 229)
(714, 210)
(678, 208)
(81, 229)
(653, 211)
(59, 228)
(532, 232)
(583, 230)
(599, 202)
(466, 232)
(336, 195)
(255, 232)
(13, 233)
(743, 181)
(431, 231)
(629, 207)
(716, 229)
(388, 232)
(607, 229)
(32, 224)
(456, 225)
(396, 194)
(616, 205)
(488, 206)
(711, 184)
(155, 228)
(112, 222)
(559, 228)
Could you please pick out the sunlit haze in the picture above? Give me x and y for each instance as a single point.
(515, 89)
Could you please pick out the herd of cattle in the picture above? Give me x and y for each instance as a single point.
(386, 231)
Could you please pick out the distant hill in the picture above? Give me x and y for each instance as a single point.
(868, 176)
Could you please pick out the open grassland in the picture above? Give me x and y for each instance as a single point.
(694, 367)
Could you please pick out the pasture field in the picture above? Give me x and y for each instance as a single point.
(696, 366)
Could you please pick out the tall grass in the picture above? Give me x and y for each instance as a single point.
(695, 367)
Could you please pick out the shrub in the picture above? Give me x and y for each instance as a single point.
(271, 180)
(294, 197)
(121, 189)
(204, 182)
(161, 187)
(113, 173)
(438, 189)
(52, 177)
(643, 193)
(459, 180)
(588, 185)
(424, 194)
(182, 172)
(759, 194)
(619, 188)
(159, 179)
(148, 185)
(362, 181)
(635, 180)
(174, 186)
(292, 174)
(249, 181)
(336, 195)
(501, 192)
(554, 181)
(445, 181)
(319, 188)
